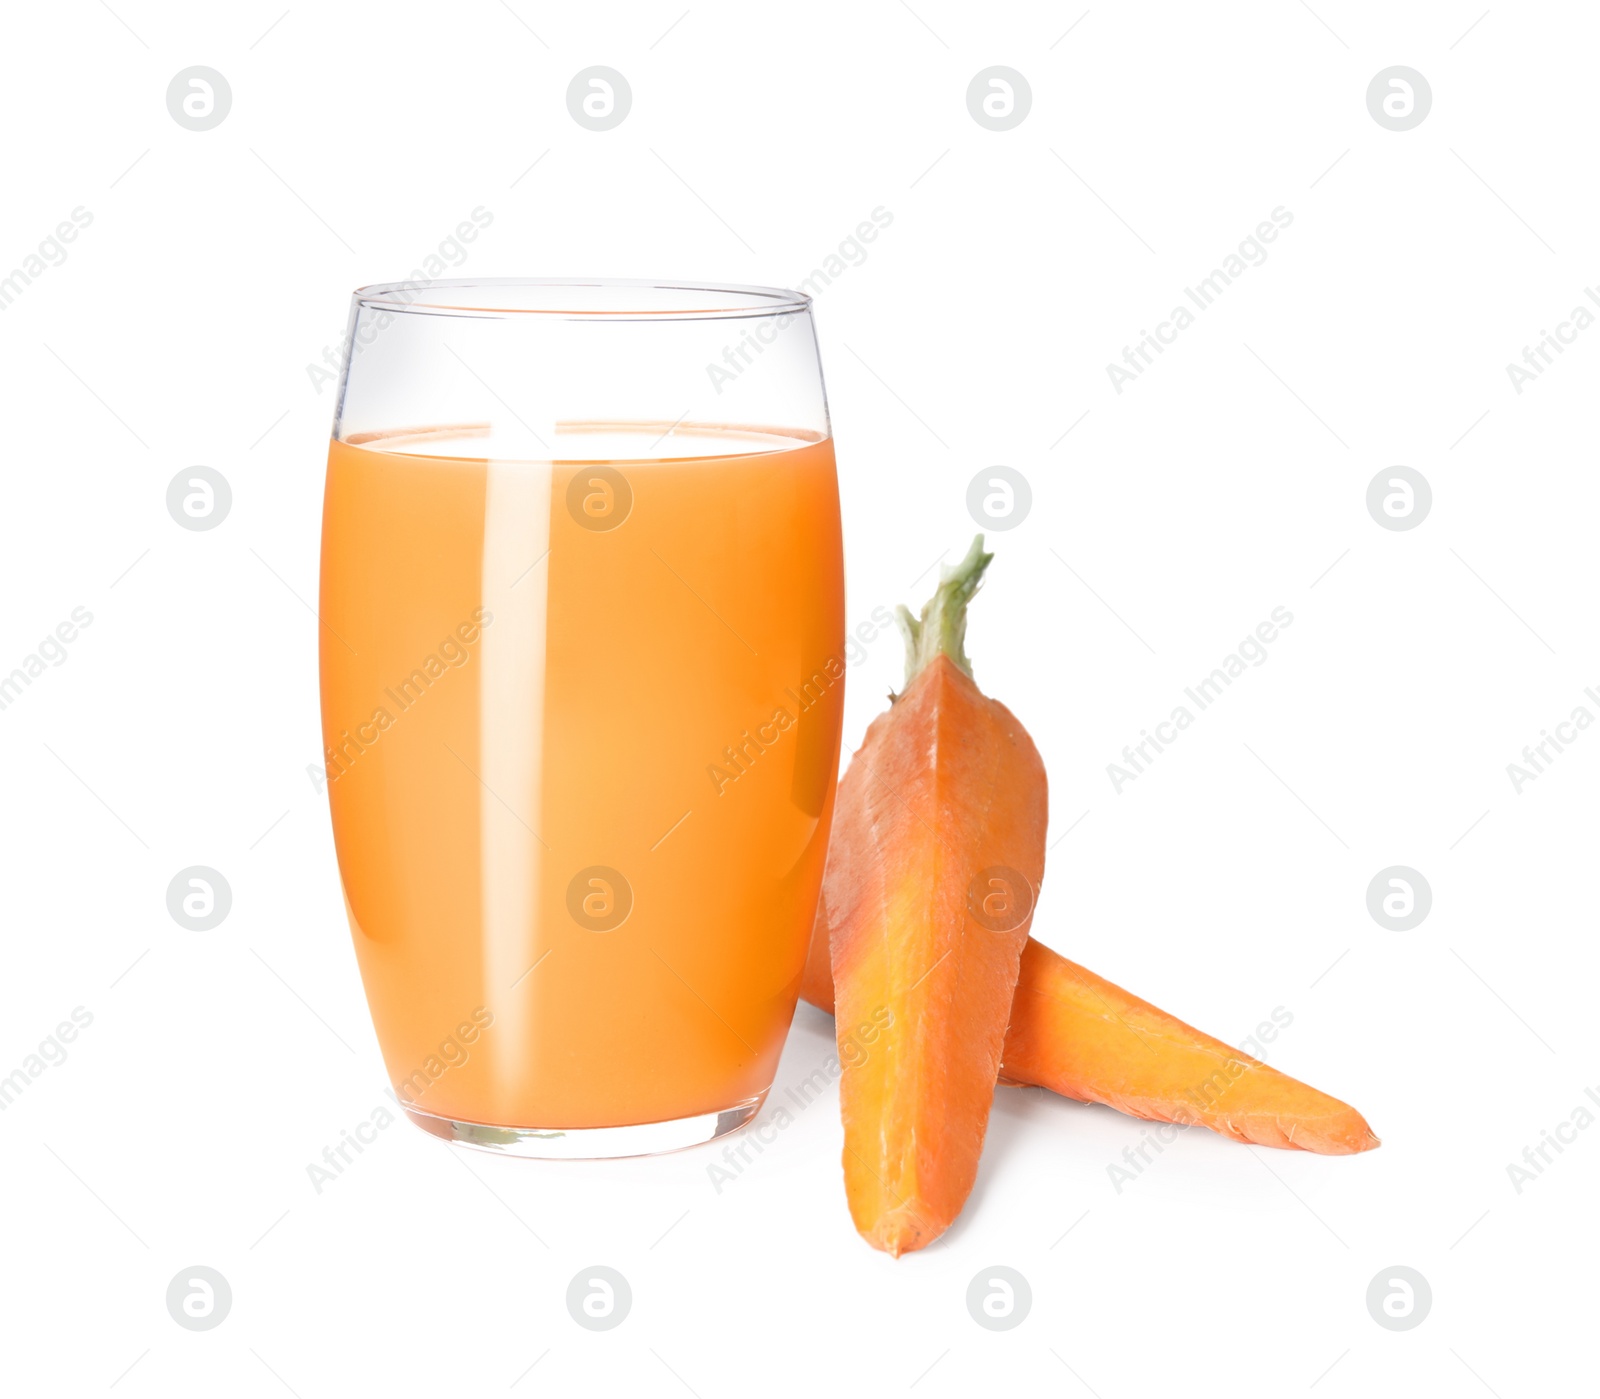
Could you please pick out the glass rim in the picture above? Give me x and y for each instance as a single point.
(582, 298)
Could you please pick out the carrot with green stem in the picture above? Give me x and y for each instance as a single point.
(936, 857)
(938, 847)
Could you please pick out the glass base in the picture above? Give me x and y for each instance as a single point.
(592, 1143)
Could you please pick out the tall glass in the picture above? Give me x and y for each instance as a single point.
(582, 681)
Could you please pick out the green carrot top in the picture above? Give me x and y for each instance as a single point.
(943, 626)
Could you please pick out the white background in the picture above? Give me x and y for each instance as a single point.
(1227, 881)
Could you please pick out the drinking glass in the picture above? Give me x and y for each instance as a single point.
(582, 659)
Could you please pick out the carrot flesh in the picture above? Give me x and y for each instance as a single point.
(1086, 1038)
(937, 851)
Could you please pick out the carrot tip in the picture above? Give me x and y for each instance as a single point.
(1350, 1143)
(901, 1230)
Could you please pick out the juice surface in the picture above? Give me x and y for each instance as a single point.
(582, 720)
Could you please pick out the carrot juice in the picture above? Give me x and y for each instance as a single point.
(582, 724)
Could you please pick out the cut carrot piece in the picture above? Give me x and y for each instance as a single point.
(938, 849)
(1084, 1037)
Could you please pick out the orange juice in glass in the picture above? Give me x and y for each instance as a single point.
(582, 667)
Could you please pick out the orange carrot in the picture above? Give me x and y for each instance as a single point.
(938, 849)
(1084, 1037)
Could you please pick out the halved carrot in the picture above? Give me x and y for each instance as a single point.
(1084, 1037)
(938, 849)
